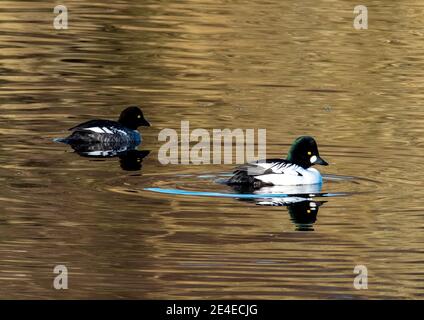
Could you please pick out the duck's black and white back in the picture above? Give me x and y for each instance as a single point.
(103, 131)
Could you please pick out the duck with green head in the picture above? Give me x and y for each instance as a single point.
(296, 169)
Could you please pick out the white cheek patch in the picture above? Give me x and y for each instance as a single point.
(313, 159)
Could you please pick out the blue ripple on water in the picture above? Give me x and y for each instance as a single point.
(240, 195)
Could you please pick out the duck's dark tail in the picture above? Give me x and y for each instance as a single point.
(62, 140)
(75, 138)
(241, 181)
(241, 177)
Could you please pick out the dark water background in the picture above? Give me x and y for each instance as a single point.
(291, 67)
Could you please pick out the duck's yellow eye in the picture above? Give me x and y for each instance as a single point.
(308, 211)
(139, 116)
(309, 153)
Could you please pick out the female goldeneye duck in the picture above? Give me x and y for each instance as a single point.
(295, 170)
(123, 131)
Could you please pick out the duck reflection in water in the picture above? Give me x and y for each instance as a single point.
(302, 208)
(303, 212)
(130, 159)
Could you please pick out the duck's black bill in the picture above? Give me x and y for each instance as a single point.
(321, 161)
(145, 123)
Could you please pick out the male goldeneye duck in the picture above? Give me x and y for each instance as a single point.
(295, 170)
(107, 132)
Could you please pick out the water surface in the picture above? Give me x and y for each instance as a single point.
(291, 68)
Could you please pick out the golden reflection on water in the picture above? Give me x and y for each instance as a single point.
(288, 67)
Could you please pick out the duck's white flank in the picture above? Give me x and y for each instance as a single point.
(290, 175)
